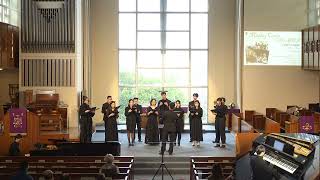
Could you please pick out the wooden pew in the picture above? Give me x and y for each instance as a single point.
(63, 158)
(256, 119)
(244, 143)
(65, 164)
(236, 122)
(73, 176)
(288, 123)
(316, 117)
(202, 165)
(271, 126)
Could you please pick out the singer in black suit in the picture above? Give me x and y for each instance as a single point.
(138, 109)
(220, 124)
(262, 170)
(163, 106)
(86, 113)
(169, 119)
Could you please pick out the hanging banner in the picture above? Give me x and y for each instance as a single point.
(18, 121)
(306, 124)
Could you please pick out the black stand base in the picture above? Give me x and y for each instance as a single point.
(162, 167)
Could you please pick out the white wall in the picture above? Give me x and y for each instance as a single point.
(277, 86)
(105, 56)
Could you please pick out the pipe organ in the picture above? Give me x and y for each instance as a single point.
(48, 26)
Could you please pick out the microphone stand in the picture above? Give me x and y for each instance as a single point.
(162, 167)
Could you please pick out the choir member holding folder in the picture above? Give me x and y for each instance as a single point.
(196, 123)
(86, 113)
(163, 106)
(220, 110)
(152, 130)
(104, 109)
(130, 113)
(111, 122)
(180, 120)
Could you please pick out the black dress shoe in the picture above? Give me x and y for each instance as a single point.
(217, 145)
(178, 143)
(223, 146)
(190, 140)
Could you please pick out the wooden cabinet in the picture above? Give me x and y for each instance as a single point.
(311, 48)
(9, 46)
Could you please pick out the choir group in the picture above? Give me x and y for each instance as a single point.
(155, 128)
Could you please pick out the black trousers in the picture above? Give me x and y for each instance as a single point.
(105, 131)
(178, 136)
(170, 137)
(190, 128)
(220, 126)
(138, 122)
(85, 130)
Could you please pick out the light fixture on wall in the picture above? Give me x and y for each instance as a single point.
(1, 69)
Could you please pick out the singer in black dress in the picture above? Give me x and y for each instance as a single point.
(152, 130)
(196, 123)
(111, 122)
(180, 121)
(130, 113)
(104, 110)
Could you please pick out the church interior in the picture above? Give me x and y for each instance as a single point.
(98, 89)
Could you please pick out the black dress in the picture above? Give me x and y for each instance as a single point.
(196, 125)
(85, 123)
(111, 124)
(180, 120)
(152, 130)
(130, 119)
(104, 109)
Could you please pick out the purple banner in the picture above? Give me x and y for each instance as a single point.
(18, 121)
(306, 124)
(230, 111)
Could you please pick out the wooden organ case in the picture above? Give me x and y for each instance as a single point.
(52, 116)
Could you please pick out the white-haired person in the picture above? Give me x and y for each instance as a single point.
(109, 170)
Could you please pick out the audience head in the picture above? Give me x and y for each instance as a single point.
(172, 105)
(195, 96)
(85, 99)
(153, 102)
(217, 171)
(130, 103)
(24, 165)
(109, 158)
(197, 103)
(260, 150)
(112, 104)
(178, 104)
(65, 176)
(18, 138)
(109, 99)
(135, 100)
(48, 174)
(164, 95)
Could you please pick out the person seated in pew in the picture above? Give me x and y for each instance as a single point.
(65, 176)
(48, 175)
(109, 170)
(261, 169)
(14, 149)
(216, 172)
(22, 172)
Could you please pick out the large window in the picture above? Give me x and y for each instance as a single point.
(9, 11)
(313, 12)
(163, 45)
